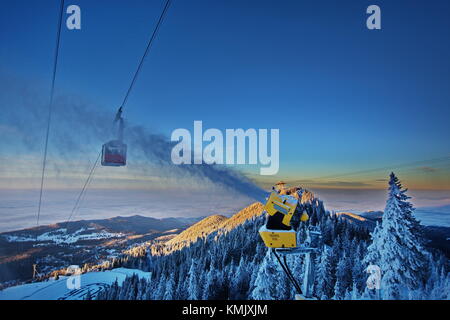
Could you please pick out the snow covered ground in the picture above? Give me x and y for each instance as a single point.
(60, 236)
(58, 289)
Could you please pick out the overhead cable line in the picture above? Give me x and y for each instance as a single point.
(82, 192)
(133, 81)
(403, 165)
(50, 107)
(147, 49)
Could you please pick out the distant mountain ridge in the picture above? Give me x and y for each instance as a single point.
(367, 219)
(79, 242)
(135, 224)
(437, 237)
(209, 225)
(198, 230)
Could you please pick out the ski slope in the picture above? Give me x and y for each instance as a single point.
(58, 289)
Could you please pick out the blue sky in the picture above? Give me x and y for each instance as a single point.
(344, 98)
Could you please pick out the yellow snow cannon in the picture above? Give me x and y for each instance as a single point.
(278, 232)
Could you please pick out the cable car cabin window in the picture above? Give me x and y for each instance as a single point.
(114, 153)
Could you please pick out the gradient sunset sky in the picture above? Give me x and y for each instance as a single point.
(351, 104)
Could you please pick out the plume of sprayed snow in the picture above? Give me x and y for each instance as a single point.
(79, 129)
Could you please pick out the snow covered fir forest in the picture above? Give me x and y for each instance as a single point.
(233, 263)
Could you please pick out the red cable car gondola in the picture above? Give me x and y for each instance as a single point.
(114, 152)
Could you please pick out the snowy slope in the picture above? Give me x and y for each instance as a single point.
(57, 289)
(211, 224)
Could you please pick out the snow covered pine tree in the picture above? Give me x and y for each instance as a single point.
(397, 246)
